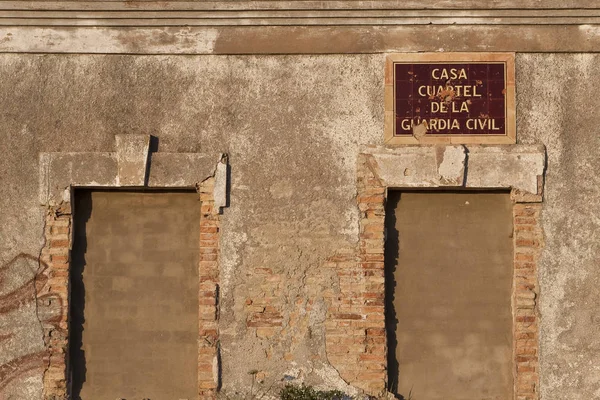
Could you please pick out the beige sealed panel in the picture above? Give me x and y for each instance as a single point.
(135, 294)
(449, 322)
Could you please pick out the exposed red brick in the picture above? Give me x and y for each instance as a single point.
(525, 319)
(263, 323)
(525, 221)
(524, 257)
(525, 211)
(528, 240)
(59, 259)
(347, 316)
(56, 288)
(60, 243)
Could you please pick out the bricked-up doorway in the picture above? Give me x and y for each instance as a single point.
(134, 295)
(449, 277)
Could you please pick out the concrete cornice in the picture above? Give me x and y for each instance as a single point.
(295, 13)
(299, 40)
(240, 5)
(298, 27)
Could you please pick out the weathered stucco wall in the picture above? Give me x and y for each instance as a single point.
(556, 96)
(292, 126)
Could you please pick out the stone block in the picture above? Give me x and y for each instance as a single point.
(425, 166)
(179, 169)
(59, 171)
(518, 167)
(132, 158)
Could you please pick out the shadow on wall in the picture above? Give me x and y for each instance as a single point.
(82, 212)
(391, 322)
(392, 251)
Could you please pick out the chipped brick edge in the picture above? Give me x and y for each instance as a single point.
(208, 293)
(53, 298)
(355, 325)
(528, 242)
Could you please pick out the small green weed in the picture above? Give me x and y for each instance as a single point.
(291, 392)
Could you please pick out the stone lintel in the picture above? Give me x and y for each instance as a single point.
(420, 167)
(519, 168)
(59, 172)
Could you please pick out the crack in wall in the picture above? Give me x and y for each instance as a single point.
(39, 271)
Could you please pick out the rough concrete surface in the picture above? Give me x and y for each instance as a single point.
(292, 126)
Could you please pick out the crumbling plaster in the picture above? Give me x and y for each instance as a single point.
(292, 126)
